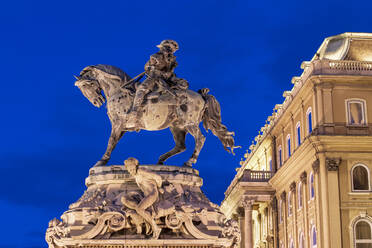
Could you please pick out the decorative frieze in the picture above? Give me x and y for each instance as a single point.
(333, 164)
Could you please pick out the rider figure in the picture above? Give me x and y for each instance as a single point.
(159, 71)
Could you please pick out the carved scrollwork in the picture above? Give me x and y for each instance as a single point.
(116, 222)
(173, 221)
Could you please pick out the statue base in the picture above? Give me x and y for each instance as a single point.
(182, 214)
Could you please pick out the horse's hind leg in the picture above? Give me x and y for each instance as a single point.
(116, 134)
(199, 143)
(179, 136)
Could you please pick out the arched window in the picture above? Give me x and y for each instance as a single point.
(356, 112)
(311, 186)
(301, 240)
(280, 156)
(290, 203)
(288, 145)
(280, 211)
(281, 244)
(299, 195)
(360, 178)
(363, 233)
(298, 133)
(291, 244)
(313, 237)
(309, 121)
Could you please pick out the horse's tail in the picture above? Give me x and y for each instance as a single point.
(212, 120)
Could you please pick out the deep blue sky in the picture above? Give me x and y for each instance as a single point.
(246, 52)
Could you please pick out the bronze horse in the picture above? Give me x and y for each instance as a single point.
(181, 111)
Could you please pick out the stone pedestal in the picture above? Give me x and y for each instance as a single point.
(182, 213)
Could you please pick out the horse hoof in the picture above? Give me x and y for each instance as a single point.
(101, 163)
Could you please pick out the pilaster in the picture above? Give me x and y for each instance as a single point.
(332, 165)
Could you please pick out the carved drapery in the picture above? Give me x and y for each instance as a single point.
(333, 164)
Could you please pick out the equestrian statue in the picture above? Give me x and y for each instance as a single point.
(161, 101)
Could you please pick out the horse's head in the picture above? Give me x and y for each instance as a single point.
(90, 87)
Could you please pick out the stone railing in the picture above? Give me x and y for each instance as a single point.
(350, 65)
(256, 176)
(341, 67)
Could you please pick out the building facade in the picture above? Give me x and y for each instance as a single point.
(306, 181)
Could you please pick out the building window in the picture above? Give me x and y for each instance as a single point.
(360, 178)
(290, 203)
(363, 233)
(313, 237)
(311, 186)
(280, 211)
(271, 164)
(291, 244)
(280, 156)
(309, 121)
(299, 195)
(302, 240)
(356, 112)
(298, 133)
(288, 145)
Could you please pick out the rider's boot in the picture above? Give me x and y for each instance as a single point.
(133, 115)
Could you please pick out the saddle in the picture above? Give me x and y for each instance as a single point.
(160, 96)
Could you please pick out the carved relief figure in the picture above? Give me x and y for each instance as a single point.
(150, 183)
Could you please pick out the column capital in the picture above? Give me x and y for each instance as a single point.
(283, 195)
(292, 186)
(316, 165)
(247, 202)
(303, 177)
(333, 164)
(274, 204)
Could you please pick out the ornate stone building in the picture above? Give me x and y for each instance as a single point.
(306, 181)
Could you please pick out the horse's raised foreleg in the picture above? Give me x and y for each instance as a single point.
(116, 134)
(199, 143)
(179, 136)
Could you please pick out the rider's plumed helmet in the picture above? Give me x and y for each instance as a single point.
(170, 45)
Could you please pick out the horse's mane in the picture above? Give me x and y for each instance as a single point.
(109, 69)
